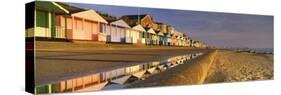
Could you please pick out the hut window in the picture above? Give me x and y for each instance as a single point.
(42, 19)
(102, 28)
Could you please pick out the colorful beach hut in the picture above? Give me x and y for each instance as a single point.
(119, 32)
(41, 20)
(167, 39)
(150, 36)
(137, 34)
(161, 37)
(85, 25)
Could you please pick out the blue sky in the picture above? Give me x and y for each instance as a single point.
(216, 29)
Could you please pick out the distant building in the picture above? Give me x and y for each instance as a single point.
(199, 44)
(163, 27)
(145, 20)
(170, 29)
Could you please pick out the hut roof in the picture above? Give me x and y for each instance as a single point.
(150, 30)
(160, 33)
(50, 6)
(167, 34)
(120, 23)
(139, 28)
(72, 9)
(90, 15)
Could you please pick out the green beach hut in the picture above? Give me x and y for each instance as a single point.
(41, 20)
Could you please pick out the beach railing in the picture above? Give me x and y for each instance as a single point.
(60, 32)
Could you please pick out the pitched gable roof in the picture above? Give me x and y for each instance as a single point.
(167, 34)
(50, 6)
(90, 15)
(70, 8)
(120, 23)
(150, 30)
(139, 28)
(160, 33)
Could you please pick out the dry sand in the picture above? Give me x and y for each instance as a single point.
(231, 66)
(227, 66)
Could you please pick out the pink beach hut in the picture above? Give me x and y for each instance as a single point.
(85, 25)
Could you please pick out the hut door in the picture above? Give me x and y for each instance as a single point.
(52, 20)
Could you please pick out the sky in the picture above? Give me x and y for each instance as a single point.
(216, 29)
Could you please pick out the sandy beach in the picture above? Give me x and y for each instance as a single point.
(59, 63)
(231, 66)
(191, 72)
(61, 60)
(227, 66)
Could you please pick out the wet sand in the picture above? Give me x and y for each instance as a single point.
(93, 46)
(231, 66)
(62, 61)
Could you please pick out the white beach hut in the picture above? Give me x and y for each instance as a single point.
(137, 34)
(119, 32)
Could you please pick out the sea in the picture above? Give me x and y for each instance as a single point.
(256, 50)
(263, 50)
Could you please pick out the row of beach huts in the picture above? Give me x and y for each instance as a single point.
(56, 20)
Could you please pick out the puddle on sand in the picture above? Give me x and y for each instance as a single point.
(116, 78)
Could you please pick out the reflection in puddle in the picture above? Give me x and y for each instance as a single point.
(115, 79)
